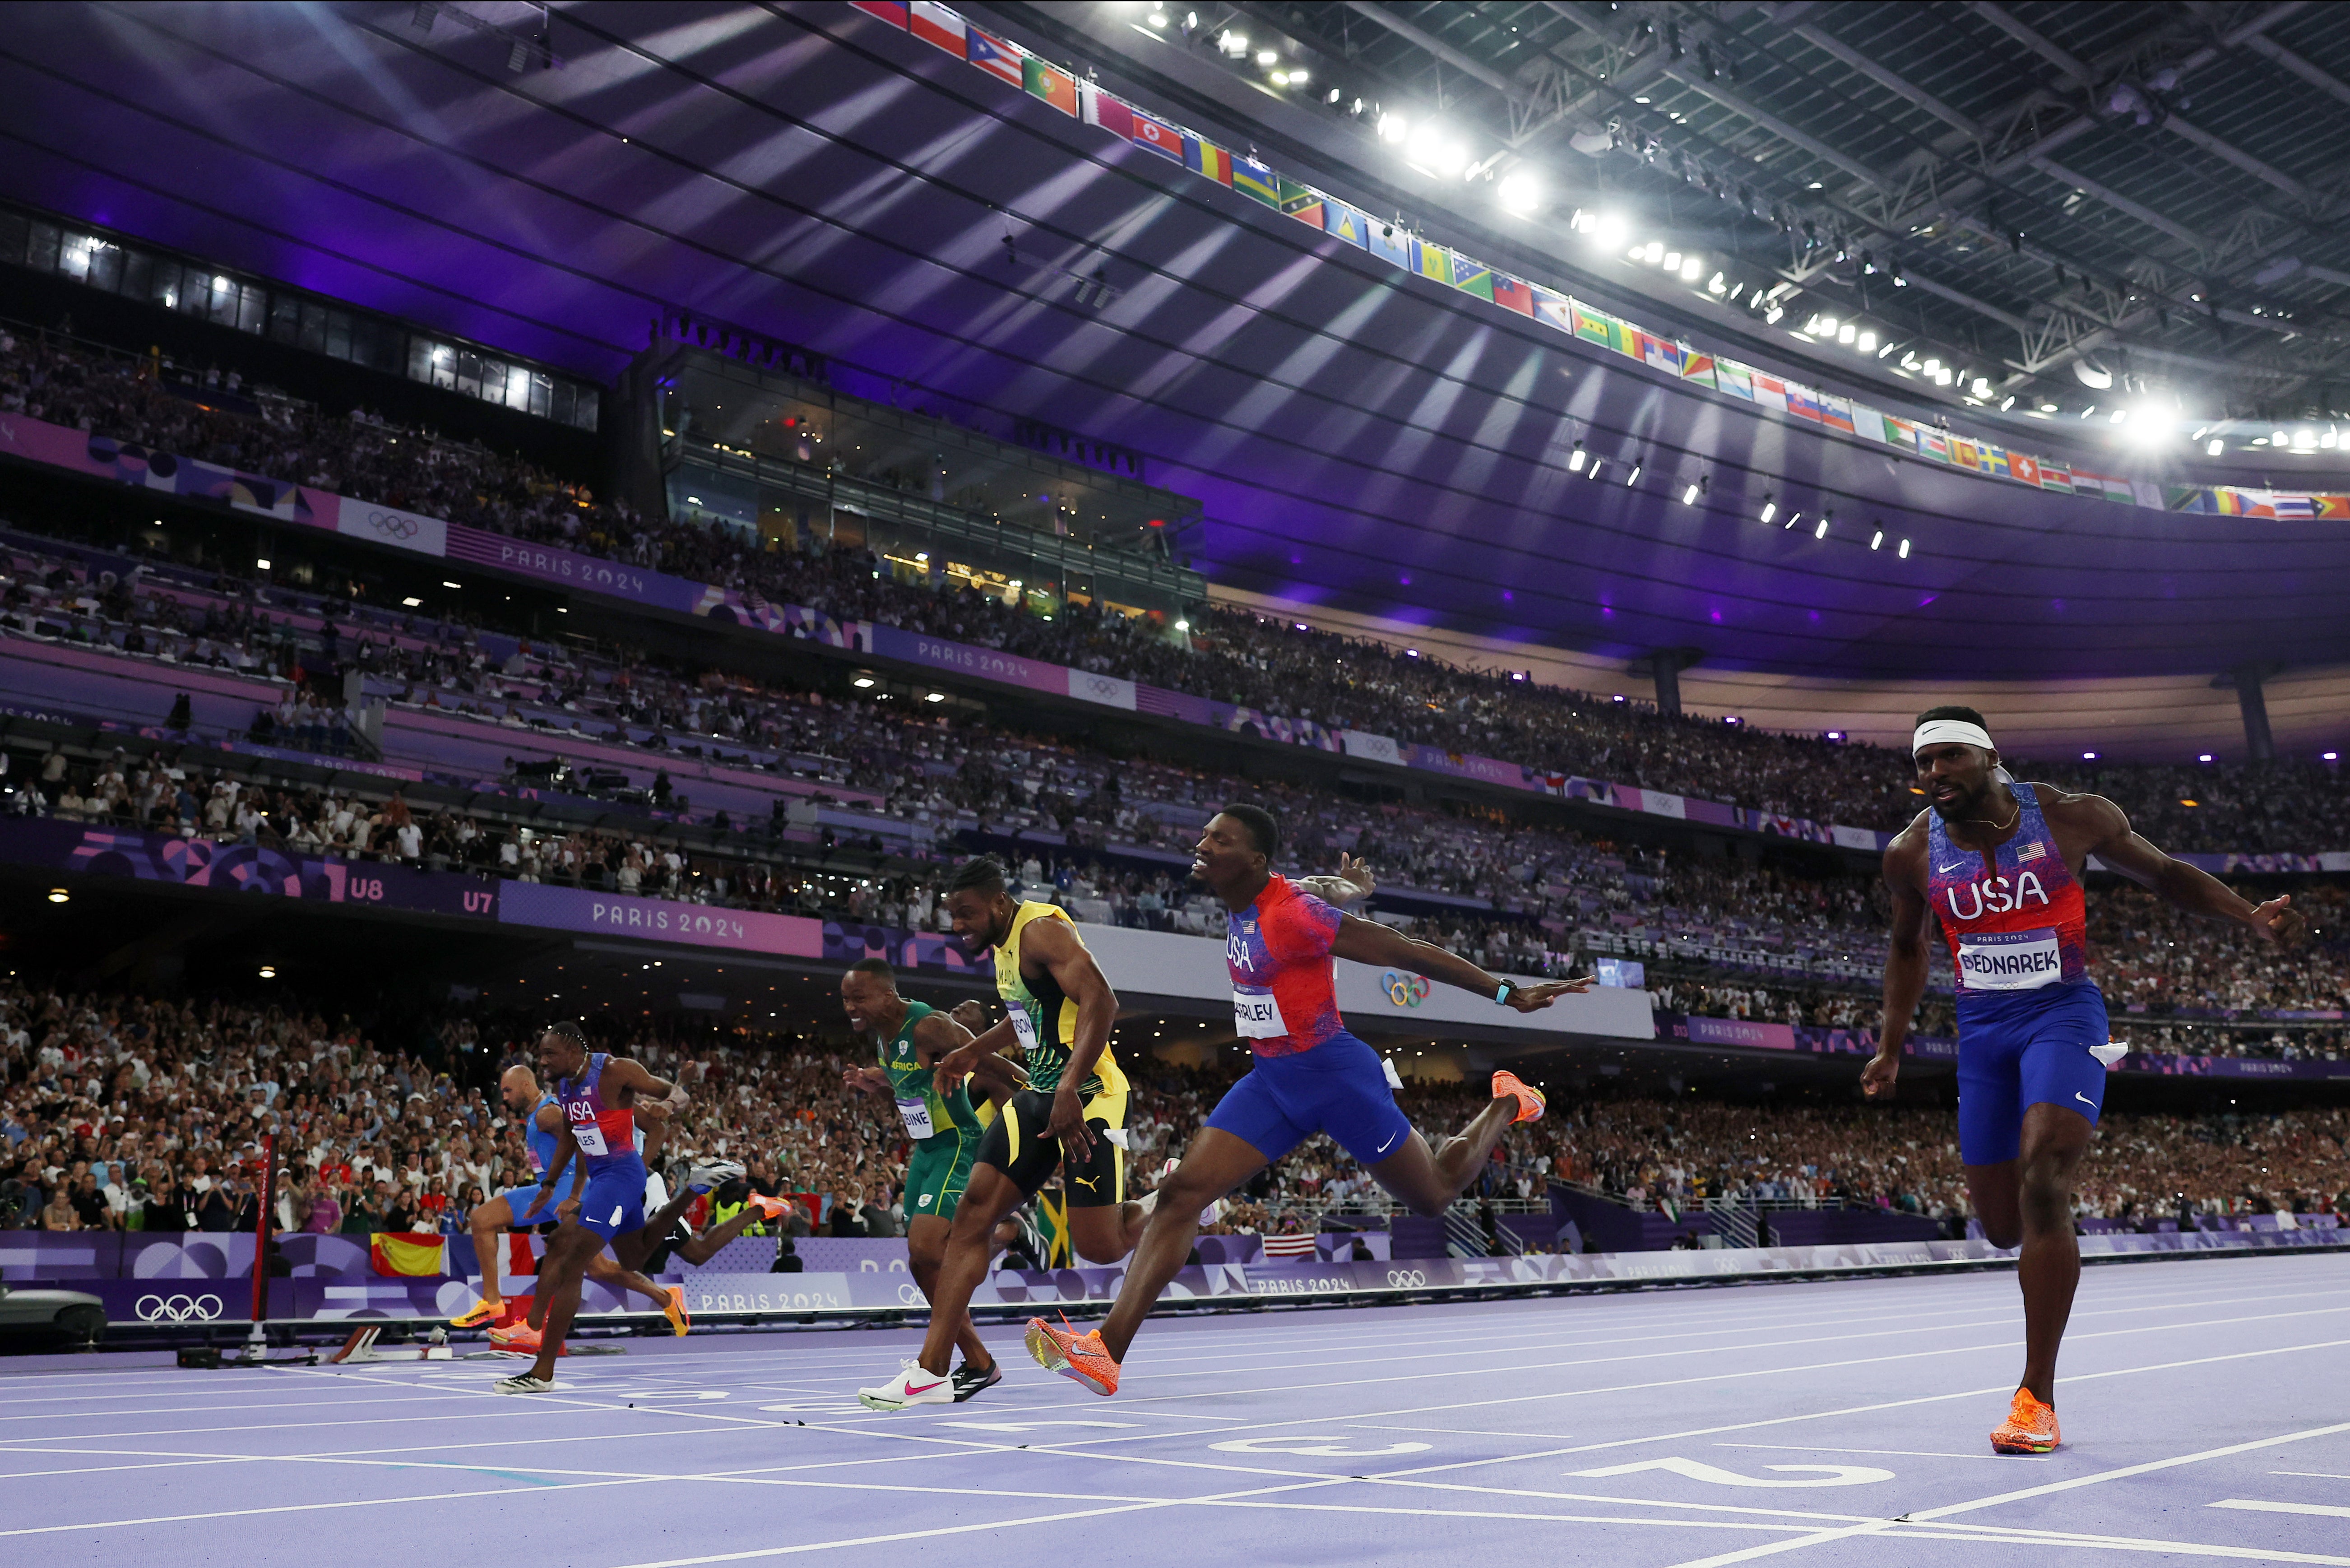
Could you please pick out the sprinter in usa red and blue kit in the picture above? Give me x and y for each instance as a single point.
(1998, 864)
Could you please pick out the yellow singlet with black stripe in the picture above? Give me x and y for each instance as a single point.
(1044, 1016)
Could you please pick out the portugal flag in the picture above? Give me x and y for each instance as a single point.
(397, 1253)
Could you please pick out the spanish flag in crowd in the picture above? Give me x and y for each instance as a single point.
(396, 1253)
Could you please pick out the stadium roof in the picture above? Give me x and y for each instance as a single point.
(1359, 436)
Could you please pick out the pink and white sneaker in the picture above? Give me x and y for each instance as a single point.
(912, 1385)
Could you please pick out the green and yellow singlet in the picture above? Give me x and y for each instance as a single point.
(927, 1112)
(1043, 1017)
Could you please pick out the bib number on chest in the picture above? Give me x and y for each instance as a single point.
(591, 1138)
(1023, 1026)
(1256, 1014)
(917, 1115)
(2010, 961)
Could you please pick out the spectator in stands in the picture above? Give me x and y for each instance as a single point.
(361, 1216)
(60, 1213)
(842, 1218)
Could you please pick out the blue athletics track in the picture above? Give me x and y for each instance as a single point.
(1829, 1423)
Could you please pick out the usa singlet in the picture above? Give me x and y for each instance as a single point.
(1308, 1076)
(1277, 954)
(613, 1202)
(2030, 1020)
(604, 1132)
(2014, 918)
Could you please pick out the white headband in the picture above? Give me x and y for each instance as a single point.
(1937, 732)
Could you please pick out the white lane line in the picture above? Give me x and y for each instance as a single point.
(1457, 1431)
(1706, 1379)
(1230, 1361)
(2007, 1318)
(1931, 1515)
(2330, 1510)
(2314, 1475)
(1978, 1537)
(1908, 1353)
(406, 1396)
(1897, 1453)
(321, 1507)
(2149, 1467)
(1641, 1502)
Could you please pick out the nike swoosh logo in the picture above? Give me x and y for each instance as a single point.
(1954, 865)
(1383, 1147)
(924, 1388)
(2084, 1099)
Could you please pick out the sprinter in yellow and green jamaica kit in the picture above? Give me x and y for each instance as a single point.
(1070, 1115)
(910, 1039)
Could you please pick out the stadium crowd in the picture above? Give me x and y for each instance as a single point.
(1108, 836)
(122, 1111)
(1228, 654)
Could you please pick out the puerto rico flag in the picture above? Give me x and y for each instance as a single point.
(994, 55)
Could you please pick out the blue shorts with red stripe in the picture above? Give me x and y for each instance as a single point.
(2018, 1049)
(613, 1204)
(1338, 1087)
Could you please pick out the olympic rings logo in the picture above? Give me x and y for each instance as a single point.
(1405, 989)
(178, 1309)
(392, 526)
(1407, 1279)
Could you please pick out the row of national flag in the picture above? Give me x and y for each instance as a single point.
(1392, 242)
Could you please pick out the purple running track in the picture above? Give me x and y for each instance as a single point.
(1839, 1423)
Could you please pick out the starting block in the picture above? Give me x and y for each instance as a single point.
(361, 1347)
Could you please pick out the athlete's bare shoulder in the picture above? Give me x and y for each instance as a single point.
(2086, 813)
(1904, 856)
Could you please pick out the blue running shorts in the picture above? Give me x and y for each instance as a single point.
(614, 1202)
(1338, 1087)
(520, 1202)
(2023, 1048)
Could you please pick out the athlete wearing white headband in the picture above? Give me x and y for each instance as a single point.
(1959, 732)
(2000, 864)
(1943, 732)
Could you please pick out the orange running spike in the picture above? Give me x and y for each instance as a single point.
(2030, 1427)
(1530, 1099)
(1080, 1357)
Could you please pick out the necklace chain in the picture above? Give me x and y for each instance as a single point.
(2002, 826)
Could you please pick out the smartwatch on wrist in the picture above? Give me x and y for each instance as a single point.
(1502, 995)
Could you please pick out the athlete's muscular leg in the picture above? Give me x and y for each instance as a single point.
(1105, 1235)
(635, 1247)
(2054, 1138)
(926, 1248)
(551, 1267)
(990, 1197)
(604, 1270)
(704, 1247)
(1427, 1180)
(1997, 1193)
(1214, 1164)
(488, 1223)
(558, 1290)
